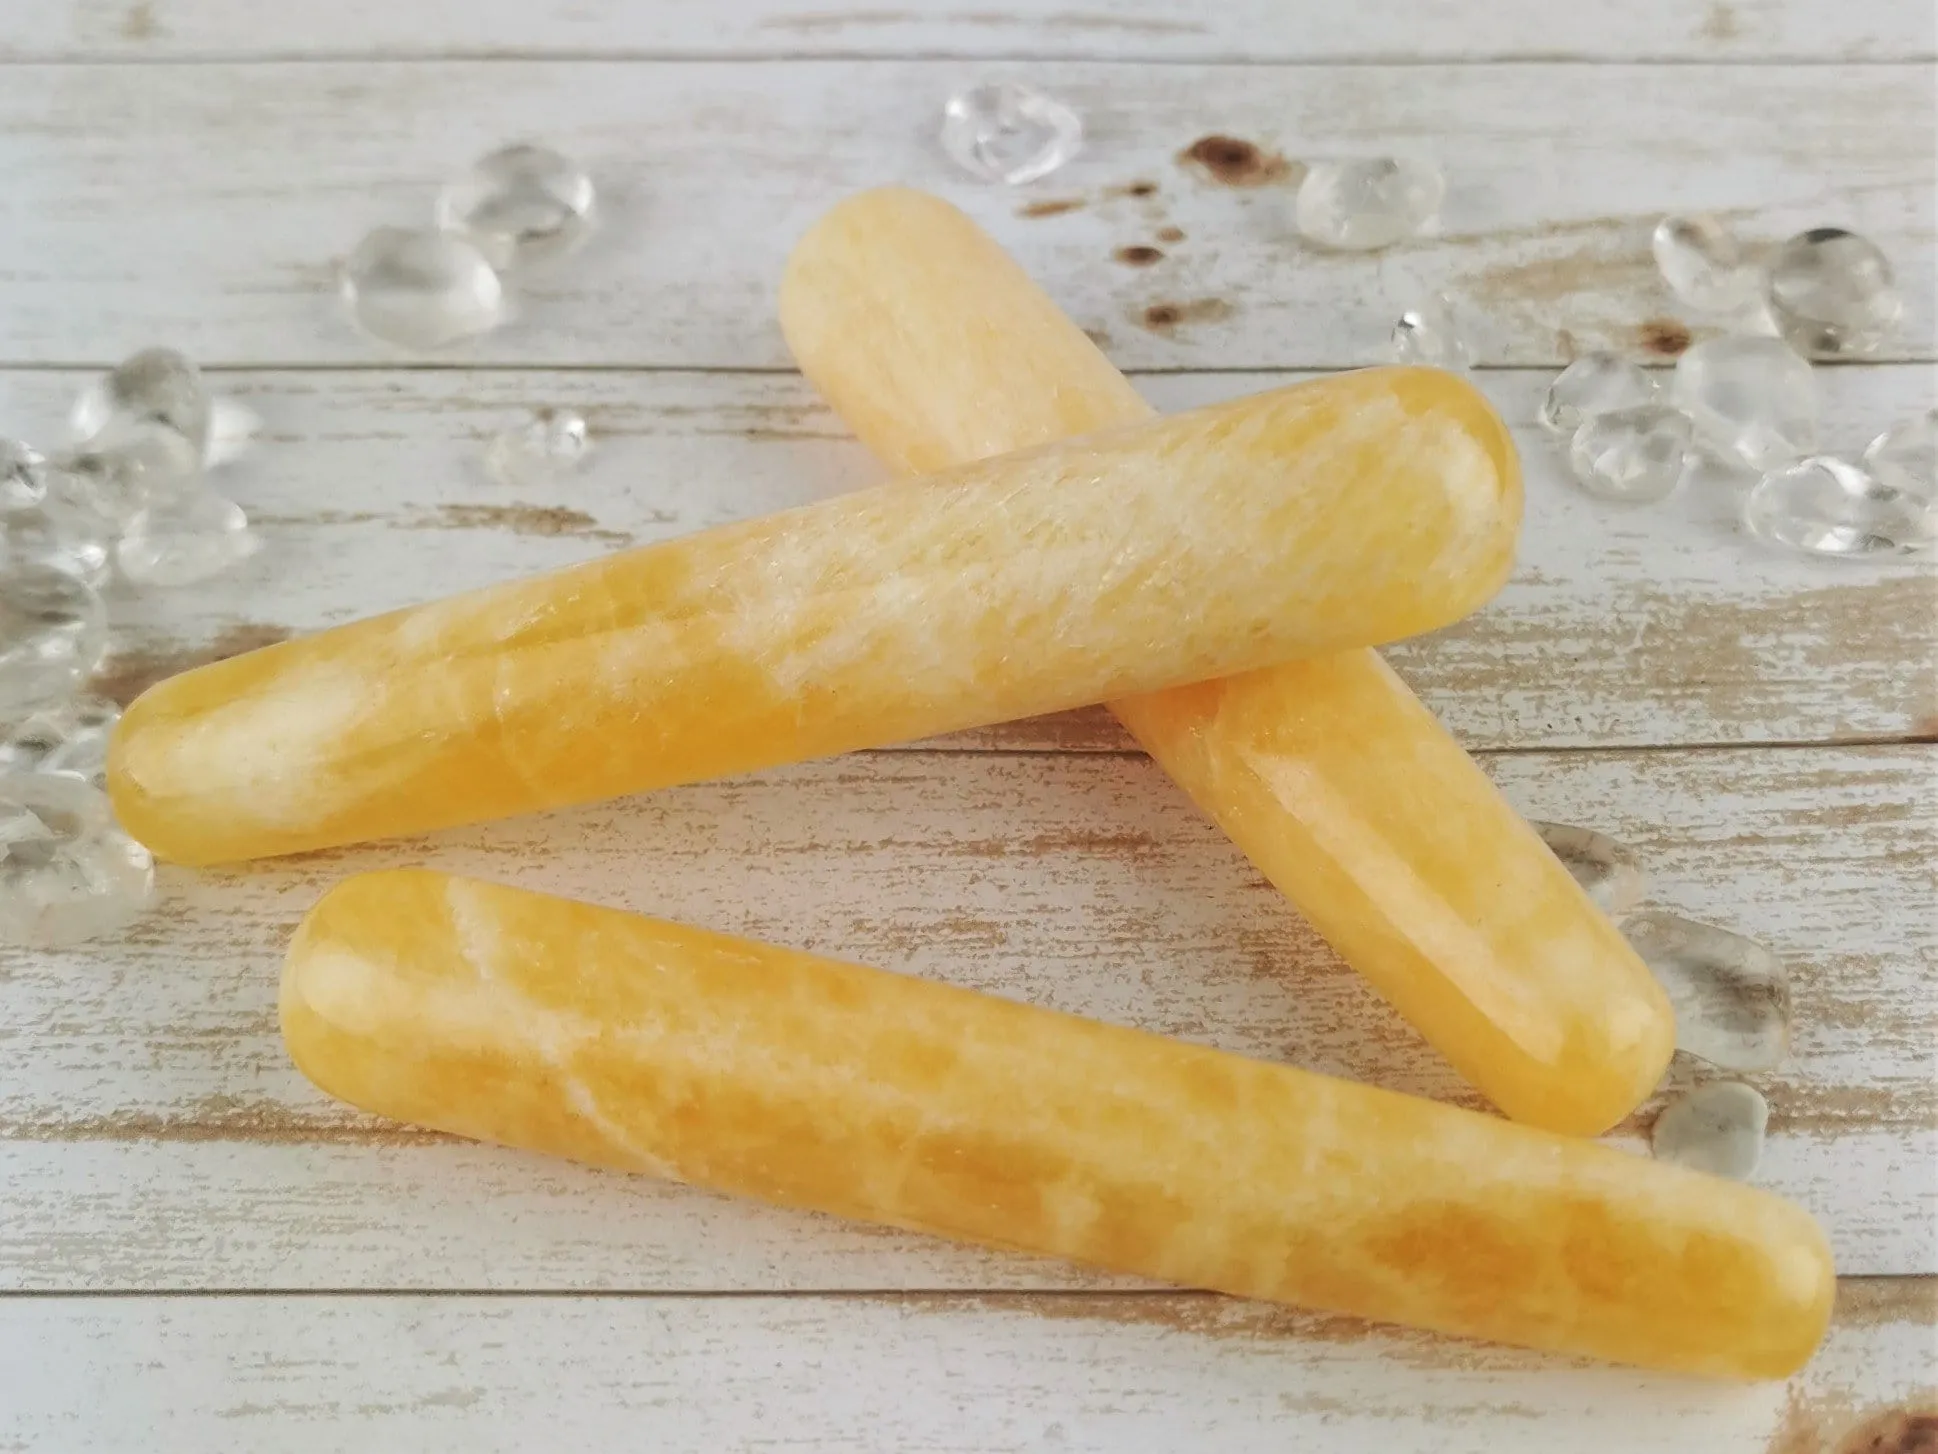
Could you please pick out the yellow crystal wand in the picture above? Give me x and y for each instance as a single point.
(1331, 776)
(633, 1043)
(1146, 556)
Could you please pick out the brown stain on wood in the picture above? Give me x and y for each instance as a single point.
(1234, 162)
(1871, 1302)
(1911, 1430)
(1663, 337)
(1166, 317)
(140, 23)
(1170, 234)
(520, 519)
(1138, 256)
(1051, 207)
(1601, 265)
(127, 674)
(1721, 23)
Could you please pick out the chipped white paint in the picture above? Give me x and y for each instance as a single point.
(118, 231)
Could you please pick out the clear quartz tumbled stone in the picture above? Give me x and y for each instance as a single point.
(23, 476)
(1700, 261)
(1731, 995)
(1905, 456)
(1631, 455)
(522, 204)
(551, 443)
(1752, 400)
(233, 427)
(1831, 507)
(184, 539)
(1717, 1128)
(69, 737)
(67, 873)
(120, 471)
(1360, 205)
(1008, 132)
(65, 531)
(1833, 294)
(421, 289)
(1429, 335)
(157, 386)
(1610, 873)
(1595, 383)
(53, 633)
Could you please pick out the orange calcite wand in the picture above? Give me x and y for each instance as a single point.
(629, 1042)
(1356, 509)
(937, 348)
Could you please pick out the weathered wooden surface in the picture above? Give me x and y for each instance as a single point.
(1150, 30)
(205, 204)
(176, 1204)
(1150, 1373)
(1622, 627)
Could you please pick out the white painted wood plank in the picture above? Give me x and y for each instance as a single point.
(204, 204)
(900, 1375)
(146, 1086)
(1154, 30)
(1622, 627)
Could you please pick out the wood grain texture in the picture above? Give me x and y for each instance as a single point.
(1151, 30)
(1122, 1372)
(149, 1089)
(1621, 627)
(134, 210)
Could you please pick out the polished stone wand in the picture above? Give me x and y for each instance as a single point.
(937, 348)
(628, 1042)
(1356, 509)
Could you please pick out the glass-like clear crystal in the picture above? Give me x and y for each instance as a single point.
(1833, 294)
(1430, 335)
(1905, 456)
(1717, 1128)
(23, 476)
(1595, 383)
(1631, 455)
(121, 471)
(421, 289)
(65, 531)
(71, 737)
(157, 386)
(1828, 506)
(1702, 264)
(66, 872)
(519, 205)
(233, 427)
(551, 443)
(184, 539)
(1730, 994)
(1609, 872)
(53, 633)
(1753, 400)
(1008, 132)
(1360, 205)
